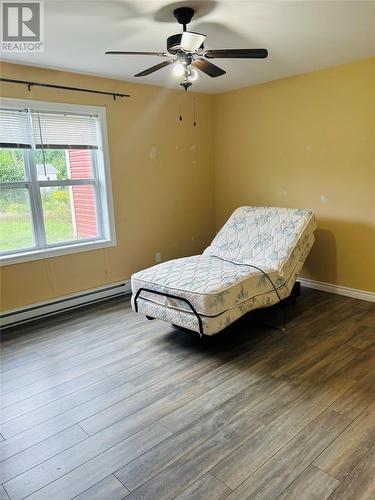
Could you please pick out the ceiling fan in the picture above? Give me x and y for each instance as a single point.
(186, 51)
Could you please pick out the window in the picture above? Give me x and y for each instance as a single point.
(55, 193)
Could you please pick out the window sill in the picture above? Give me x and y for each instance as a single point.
(8, 260)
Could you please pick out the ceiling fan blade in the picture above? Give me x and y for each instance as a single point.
(154, 68)
(190, 41)
(130, 53)
(237, 53)
(208, 68)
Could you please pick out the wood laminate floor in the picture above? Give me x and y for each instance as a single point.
(102, 404)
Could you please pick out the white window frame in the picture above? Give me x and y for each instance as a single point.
(103, 193)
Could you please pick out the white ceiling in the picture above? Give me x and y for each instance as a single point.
(301, 36)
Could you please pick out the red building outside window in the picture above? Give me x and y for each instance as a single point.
(79, 163)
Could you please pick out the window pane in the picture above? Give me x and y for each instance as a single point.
(12, 166)
(15, 223)
(69, 213)
(63, 164)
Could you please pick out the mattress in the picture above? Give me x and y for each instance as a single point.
(267, 237)
(275, 240)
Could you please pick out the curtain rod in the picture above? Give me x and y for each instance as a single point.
(62, 87)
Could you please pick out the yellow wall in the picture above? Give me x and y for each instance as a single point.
(306, 141)
(161, 171)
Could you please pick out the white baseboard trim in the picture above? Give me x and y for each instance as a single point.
(68, 302)
(339, 290)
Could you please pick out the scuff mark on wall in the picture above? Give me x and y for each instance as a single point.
(153, 153)
(282, 193)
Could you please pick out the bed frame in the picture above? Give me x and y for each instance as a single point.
(296, 292)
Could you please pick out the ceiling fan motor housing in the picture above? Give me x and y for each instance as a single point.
(174, 43)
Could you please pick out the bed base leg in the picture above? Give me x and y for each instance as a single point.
(281, 328)
(296, 292)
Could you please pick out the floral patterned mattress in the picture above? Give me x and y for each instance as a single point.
(221, 283)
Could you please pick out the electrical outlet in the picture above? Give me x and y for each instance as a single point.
(158, 257)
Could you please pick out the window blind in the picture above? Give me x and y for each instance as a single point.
(62, 131)
(14, 129)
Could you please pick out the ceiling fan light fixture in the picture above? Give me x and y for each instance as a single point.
(193, 75)
(179, 69)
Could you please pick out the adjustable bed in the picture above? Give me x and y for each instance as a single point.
(253, 262)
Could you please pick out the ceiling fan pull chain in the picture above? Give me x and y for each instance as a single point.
(195, 122)
(180, 117)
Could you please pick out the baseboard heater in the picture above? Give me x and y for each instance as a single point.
(63, 304)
